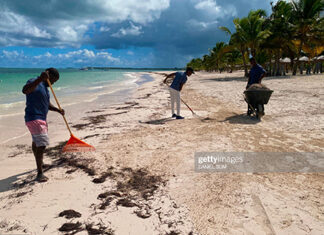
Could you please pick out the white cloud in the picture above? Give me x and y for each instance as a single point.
(104, 29)
(79, 61)
(209, 6)
(47, 54)
(67, 33)
(38, 57)
(89, 54)
(107, 56)
(133, 30)
(14, 23)
(85, 56)
(70, 34)
(162, 26)
(10, 54)
(139, 11)
(12, 57)
(230, 10)
(68, 26)
(12, 41)
(201, 24)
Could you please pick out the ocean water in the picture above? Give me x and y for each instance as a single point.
(78, 91)
(73, 86)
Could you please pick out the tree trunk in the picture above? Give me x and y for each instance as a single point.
(277, 62)
(270, 70)
(315, 68)
(297, 64)
(292, 64)
(244, 62)
(253, 52)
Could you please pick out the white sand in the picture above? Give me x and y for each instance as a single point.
(141, 135)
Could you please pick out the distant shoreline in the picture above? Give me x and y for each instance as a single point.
(103, 68)
(75, 103)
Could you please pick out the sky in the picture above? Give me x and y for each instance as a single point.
(114, 33)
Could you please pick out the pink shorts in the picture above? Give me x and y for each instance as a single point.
(39, 132)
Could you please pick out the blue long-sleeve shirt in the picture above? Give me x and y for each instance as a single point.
(180, 79)
(255, 74)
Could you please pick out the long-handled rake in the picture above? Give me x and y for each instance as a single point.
(193, 113)
(74, 144)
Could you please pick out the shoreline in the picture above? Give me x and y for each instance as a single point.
(141, 178)
(115, 95)
(88, 93)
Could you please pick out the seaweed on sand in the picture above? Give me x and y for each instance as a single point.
(141, 182)
(69, 214)
(71, 227)
(132, 187)
(99, 230)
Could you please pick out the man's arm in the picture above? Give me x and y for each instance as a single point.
(181, 85)
(263, 73)
(30, 87)
(247, 85)
(53, 108)
(168, 76)
(262, 76)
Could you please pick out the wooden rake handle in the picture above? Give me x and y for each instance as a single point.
(59, 106)
(184, 102)
(187, 106)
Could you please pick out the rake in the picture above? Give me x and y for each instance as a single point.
(74, 144)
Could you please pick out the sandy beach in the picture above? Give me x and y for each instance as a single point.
(141, 178)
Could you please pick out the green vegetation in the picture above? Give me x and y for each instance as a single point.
(293, 30)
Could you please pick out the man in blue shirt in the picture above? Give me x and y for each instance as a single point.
(180, 78)
(37, 106)
(257, 73)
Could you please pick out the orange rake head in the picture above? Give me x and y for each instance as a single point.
(76, 145)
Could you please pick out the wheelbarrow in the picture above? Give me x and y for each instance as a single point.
(256, 100)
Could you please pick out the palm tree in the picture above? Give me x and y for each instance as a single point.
(253, 30)
(281, 33)
(217, 54)
(207, 62)
(250, 33)
(292, 29)
(306, 16)
(232, 57)
(196, 64)
(237, 41)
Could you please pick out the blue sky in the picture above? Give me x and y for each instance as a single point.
(114, 33)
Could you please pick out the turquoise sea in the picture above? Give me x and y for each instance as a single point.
(73, 84)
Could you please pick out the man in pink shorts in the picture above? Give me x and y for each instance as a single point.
(37, 106)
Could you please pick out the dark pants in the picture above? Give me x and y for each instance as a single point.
(250, 111)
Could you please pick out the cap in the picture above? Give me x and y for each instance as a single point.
(190, 69)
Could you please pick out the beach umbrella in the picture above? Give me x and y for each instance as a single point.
(304, 58)
(285, 60)
(74, 144)
(320, 57)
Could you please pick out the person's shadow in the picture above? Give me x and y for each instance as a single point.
(7, 184)
(157, 121)
(241, 119)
